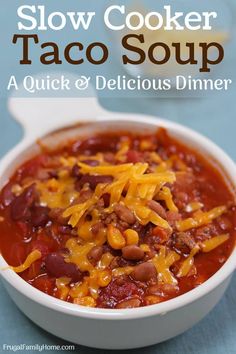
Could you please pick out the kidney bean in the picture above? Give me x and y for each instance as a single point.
(172, 217)
(56, 214)
(133, 156)
(144, 272)
(158, 208)
(91, 162)
(84, 196)
(97, 227)
(128, 304)
(39, 216)
(75, 172)
(109, 157)
(53, 174)
(99, 143)
(124, 213)
(106, 199)
(95, 254)
(93, 181)
(20, 206)
(163, 289)
(57, 267)
(132, 253)
(7, 196)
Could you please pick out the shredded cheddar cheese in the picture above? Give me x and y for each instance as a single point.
(165, 194)
(214, 242)
(188, 263)
(202, 218)
(31, 258)
(163, 261)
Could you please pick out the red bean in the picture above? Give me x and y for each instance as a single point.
(93, 181)
(124, 213)
(128, 304)
(132, 253)
(84, 195)
(39, 216)
(99, 143)
(144, 272)
(97, 227)
(95, 254)
(106, 199)
(91, 162)
(7, 196)
(163, 289)
(172, 217)
(133, 156)
(57, 267)
(20, 207)
(158, 208)
(75, 172)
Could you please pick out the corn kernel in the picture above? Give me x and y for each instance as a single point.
(146, 144)
(104, 278)
(105, 261)
(61, 284)
(80, 290)
(53, 184)
(131, 236)
(145, 247)
(101, 237)
(84, 231)
(63, 174)
(115, 238)
(85, 301)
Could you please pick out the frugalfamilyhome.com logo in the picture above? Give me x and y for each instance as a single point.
(23, 347)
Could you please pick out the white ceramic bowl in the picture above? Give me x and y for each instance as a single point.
(103, 328)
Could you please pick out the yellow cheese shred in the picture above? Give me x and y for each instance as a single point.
(188, 263)
(205, 246)
(201, 218)
(31, 258)
(163, 261)
(165, 194)
(214, 242)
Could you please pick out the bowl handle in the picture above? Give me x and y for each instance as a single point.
(39, 116)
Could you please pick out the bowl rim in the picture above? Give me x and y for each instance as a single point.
(217, 155)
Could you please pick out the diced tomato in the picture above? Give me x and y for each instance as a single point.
(133, 156)
(45, 284)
